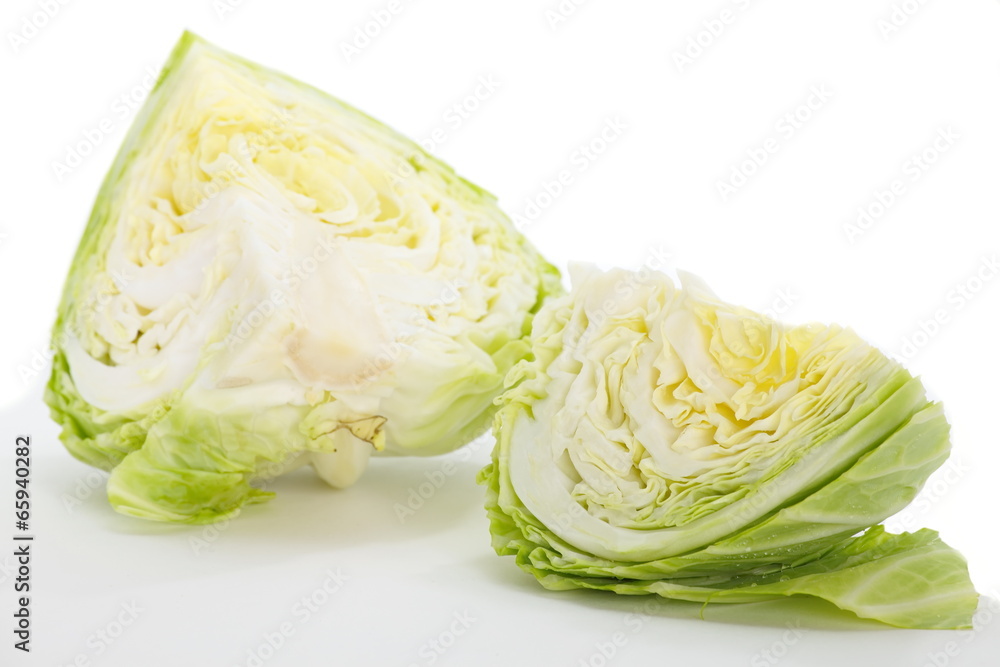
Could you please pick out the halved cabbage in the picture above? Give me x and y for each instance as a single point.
(662, 441)
(269, 278)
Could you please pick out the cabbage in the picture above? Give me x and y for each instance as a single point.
(270, 278)
(660, 441)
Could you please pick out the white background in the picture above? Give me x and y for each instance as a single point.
(208, 598)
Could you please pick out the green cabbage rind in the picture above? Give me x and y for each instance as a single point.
(824, 540)
(191, 455)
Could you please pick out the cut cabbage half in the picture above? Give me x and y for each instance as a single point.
(270, 278)
(662, 441)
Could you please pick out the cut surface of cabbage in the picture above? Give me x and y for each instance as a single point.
(662, 441)
(271, 278)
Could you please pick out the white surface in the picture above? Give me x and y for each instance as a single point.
(654, 186)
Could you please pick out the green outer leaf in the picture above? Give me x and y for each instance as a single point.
(196, 466)
(911, 580)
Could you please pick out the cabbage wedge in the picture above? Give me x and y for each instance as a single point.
(271, 278)
(660, 441)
